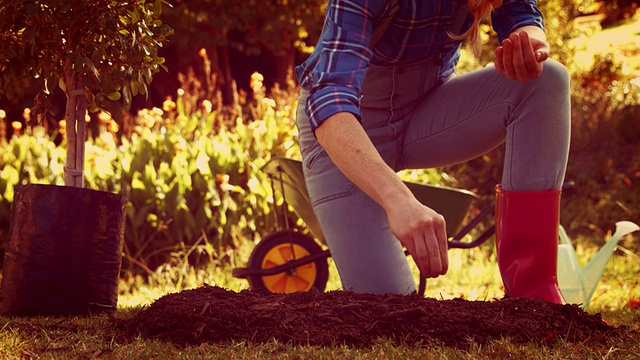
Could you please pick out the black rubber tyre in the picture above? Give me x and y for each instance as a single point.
(279, 248)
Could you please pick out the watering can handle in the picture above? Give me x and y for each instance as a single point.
(564, 238)
(625, 227)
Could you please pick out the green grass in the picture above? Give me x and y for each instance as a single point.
(473, 275)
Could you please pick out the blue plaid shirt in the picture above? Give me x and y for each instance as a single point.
(335, 71)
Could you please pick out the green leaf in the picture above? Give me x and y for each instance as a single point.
(115, 96)
(148, 75)
(134, 87)
(92, 67)
(126, 93)
(47, 90)
(143, 89)
(150, 173)
(62, 85)
(136, 182)
(157, 7)
(135, 16)
(10, 174)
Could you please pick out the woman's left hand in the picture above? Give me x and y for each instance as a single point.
(522, 54)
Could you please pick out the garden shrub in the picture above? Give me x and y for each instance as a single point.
(190, 178)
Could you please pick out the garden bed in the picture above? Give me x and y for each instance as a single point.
(212, 314)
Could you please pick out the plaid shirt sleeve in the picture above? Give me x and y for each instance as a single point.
(514, 14)
(334, 75)
(335, 71)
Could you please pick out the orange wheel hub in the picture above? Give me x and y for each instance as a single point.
(297, 279)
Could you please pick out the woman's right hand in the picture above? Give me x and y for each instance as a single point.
(422, 231)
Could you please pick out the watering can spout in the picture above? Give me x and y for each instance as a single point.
(578, 285)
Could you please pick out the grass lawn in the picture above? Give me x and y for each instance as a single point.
(473, 275)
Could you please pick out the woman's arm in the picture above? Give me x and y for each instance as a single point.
(420, 229)
(335, 82)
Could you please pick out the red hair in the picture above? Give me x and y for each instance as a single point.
(479, 9)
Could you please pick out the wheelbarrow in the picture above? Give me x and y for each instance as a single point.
(287, 261)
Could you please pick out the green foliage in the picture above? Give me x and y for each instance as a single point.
(111, 45)
(27, 159)
(193, 181)
(603, 161)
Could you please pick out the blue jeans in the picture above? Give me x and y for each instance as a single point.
(415, 121)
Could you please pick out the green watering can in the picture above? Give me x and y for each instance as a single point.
(578, 285)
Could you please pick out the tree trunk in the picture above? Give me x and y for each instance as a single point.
(227, 77)
(284, 63)
(76, 112)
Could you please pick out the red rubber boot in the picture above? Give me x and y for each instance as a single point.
(527, 243)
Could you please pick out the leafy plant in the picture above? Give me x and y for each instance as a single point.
(193, 176)
(94, 51)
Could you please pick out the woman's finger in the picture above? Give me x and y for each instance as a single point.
(507, 63)
(443, 246)
(435, 263)
(497, 59)
(534, 68)
(517, 58)
(421, 255)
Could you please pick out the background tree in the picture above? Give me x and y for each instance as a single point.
(282, 28)
(273, 31)
(95, 51)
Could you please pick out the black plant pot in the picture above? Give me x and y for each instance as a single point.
(64, 251)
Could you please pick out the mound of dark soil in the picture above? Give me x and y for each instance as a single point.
(212, 314)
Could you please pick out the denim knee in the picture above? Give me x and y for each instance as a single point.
(555, 75)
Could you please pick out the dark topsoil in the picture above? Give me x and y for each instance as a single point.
(215, 315)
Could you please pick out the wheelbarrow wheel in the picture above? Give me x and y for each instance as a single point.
(279, 248)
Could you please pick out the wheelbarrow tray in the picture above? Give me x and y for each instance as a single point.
(451, 203)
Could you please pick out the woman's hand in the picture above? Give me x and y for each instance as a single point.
(522, 54)
(422, 232)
